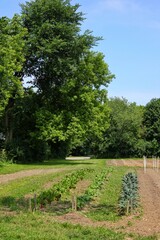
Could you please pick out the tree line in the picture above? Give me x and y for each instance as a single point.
(65, 109)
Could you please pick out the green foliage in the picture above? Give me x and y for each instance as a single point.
(54, 43)
(105, 207)
(12, 58)
(68, 75)
(68, 107)
(93, 189)
(4, 158)
(129, 196)
(12, 51)
(67, 183)
(24, 147)
(68, 112)
(152, 127)
(124, 138)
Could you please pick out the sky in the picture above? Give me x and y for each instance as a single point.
(131, 42)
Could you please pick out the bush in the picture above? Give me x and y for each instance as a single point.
(4, 158)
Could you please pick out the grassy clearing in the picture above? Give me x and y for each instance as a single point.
(56, 163)
(44, 227)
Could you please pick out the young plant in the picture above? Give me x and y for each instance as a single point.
(128, 200)
(67, 183)
(92, 191)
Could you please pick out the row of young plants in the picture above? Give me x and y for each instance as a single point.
(93, 189)
(67, 183)
(129, 197)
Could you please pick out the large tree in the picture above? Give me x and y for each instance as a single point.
(55, 43)
(68, 75)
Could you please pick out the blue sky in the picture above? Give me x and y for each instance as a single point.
(131, 42)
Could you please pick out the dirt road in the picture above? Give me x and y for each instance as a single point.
(27, 173)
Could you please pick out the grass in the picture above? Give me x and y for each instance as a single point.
(13, 194)
(27, 185)
(25, 226)
(43, 227)
(57, 163)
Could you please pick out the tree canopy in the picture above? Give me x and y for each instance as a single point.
(124, 137)
(11, 59)
(152, 126)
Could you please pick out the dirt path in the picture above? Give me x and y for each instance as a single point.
(148, 224)
(150, 199)
(129, 162)
(27, 173)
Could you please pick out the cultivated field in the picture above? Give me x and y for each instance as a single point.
(87, 210)
(130, 162)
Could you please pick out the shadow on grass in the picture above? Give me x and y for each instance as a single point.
(59, 208)
(22, 204)
(14, 203)
(61, 162)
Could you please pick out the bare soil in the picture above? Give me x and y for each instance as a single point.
(27, 173)
(129, 162)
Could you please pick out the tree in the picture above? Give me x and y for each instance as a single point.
(55, 44)
(23, 147)
(68, 75)
(152, 126)
(124, 138)
(11, 62)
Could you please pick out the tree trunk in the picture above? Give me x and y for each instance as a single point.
(9, 121)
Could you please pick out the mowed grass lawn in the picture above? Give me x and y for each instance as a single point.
(60, 163)
(16, 222)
